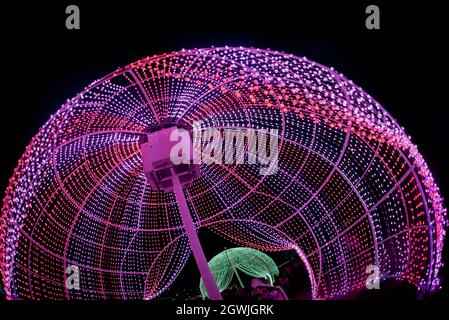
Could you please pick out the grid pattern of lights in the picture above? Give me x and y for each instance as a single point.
(351, 189)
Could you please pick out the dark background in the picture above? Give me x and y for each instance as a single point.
(403, 65)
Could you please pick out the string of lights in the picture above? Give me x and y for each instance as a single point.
(351, 189)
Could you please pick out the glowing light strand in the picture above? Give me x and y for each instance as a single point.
(351, 190)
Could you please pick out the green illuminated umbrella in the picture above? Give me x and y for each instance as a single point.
(230, 262)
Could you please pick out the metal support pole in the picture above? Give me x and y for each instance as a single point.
(200, 258)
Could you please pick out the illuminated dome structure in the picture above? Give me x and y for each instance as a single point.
(226, 266)
(351, 190)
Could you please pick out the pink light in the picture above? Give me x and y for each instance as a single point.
(352, 189)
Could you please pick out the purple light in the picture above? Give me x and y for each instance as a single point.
(351, 189)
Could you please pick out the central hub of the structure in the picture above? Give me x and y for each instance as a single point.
(162, 157)
(167, 155)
